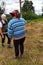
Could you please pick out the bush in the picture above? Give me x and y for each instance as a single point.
(9, 17)
(29, 15)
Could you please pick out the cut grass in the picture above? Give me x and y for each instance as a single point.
(33, 53)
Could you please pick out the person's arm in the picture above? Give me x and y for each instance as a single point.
(26, 27)
(1, 30)
(25, 24)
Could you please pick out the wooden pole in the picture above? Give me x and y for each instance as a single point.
(20, 8)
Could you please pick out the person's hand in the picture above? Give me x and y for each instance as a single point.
(2, 36)
(12, 38)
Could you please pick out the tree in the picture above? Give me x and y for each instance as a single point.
(1, 11)
(3, 5)
(20, 8)
(2, 8)
(28, 6)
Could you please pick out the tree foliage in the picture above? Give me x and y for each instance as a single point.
(2, 8)
(28, 6)
(1, 11)
(29, 15)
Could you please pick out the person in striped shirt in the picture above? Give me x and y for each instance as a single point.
(16, 30)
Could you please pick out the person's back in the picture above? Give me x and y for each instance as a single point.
(4, 23)
(4, 28)
(17, 32)
(18, 28)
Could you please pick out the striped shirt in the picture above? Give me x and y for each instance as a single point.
(16, 28)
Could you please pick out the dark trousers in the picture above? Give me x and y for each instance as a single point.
(19, 46)
(3, 39)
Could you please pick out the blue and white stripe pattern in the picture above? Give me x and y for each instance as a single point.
(16, 28)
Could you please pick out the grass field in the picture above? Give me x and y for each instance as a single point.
(35, 20)
(33, 53)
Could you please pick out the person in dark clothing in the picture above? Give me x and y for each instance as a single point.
(16, 30)
(16, 45)
(4, 30)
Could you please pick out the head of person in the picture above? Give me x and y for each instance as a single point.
(3, 17)
(15, 14)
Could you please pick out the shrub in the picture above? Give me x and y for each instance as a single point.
(9, 17)
(29, 15)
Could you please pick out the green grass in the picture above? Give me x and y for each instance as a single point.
(35, 20)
